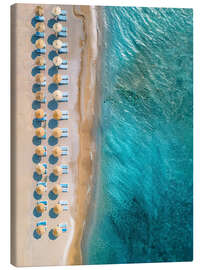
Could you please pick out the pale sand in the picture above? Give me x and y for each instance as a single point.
(82, 39)
(27, 251)
(87, 89)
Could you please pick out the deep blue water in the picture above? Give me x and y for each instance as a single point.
(143, 195)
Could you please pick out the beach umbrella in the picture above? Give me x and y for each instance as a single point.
(57, 27)
(40, 43)
(57, 114)
(39, 132)
(57, 78)
(40, 207)
(57, 189)
(40, 169)
(39, 96)
(56, 152)
(57, 209)
(40, 229)
(57, 170)
(57, 231)
(57, 132)
(40, 189)
(39, 78)
(39, 113)
(39, 150)
(57, 95)
(39, 11)
(40, 27)
(57, 44)
(56, 11)
(40, 60)
(57, 61)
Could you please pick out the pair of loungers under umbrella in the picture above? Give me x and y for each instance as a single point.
(57, 79)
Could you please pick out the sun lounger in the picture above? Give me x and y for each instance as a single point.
(64, 187)
(64, 45)
(42, 223)
(45, 166)
(39, 34)
(45, 153)
(63, 12)
(64, 169)
(43, 137)
(64, 150)
(40, 51)
(64, 132)
(61, 18)
(64, 205)
(62, 34)
(64, 97)
(64, 115)
(64, 80)
(41, 67)
(42, 184)
(65, 62)
(63, 67)
(63, 51)
(63, 226)
(39, 18)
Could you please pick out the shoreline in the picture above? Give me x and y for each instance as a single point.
(86, 108)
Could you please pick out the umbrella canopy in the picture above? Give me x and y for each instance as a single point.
(57, 44)
(56, 151)
(57, 132)
(40, 169)
(57, 231)
(40, 60)
(39, 78)
(39, 150)
(39, 96)
(56, 11)
(57, 189)
(40, 189)
(39, 113)
(40, 27)
(40, 229)
(40, 43)
(57, 27)
(57, 170)
(57, 114)
(39, 132)
(57, 78)
(40, 207)
(57, 209)
(57, 95)
(39, 11)
(57, 61)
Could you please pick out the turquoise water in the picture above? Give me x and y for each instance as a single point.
(143, 196)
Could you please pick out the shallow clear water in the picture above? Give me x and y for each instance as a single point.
(143, 196)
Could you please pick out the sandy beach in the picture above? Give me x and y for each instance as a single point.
(82, 36)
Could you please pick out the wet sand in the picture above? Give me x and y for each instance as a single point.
(87, 90)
